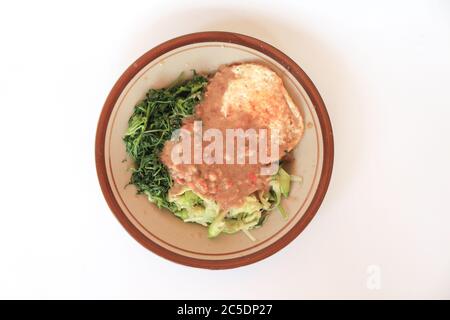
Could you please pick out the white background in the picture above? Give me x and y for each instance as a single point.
(382, 68)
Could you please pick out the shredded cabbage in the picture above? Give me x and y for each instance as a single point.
(192, 207)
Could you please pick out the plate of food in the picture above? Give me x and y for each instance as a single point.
(214, 150)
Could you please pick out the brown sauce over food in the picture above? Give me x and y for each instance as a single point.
(227, 184)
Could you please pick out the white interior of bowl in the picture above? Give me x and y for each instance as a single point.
(163, 227)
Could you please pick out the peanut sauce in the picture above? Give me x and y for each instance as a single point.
(227, 184)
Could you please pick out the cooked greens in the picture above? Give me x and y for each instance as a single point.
(150, 126)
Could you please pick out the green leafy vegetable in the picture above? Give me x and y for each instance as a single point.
(280, 186)
(245, 217)
(191, 207)
(150, 126)
(285, 182)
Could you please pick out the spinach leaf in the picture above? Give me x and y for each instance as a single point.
(150, 126)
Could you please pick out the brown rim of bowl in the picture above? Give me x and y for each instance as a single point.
(277, 55)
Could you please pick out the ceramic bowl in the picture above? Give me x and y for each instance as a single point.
(159, 230)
